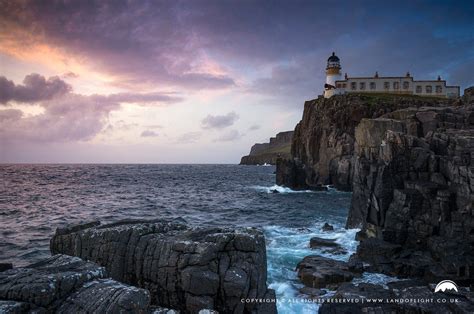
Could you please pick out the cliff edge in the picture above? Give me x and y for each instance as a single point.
(261, 153)
(409, 162)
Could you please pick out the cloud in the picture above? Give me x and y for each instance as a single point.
(229, 136)
(143, 98)
(254, 127)
(219, 121)
(10, 115)
(66, 116)
(35, 88)
(190, 137)
(149, 133)
(70, 75)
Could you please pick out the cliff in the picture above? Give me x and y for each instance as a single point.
(261, 153)
(323, 141)
(409, 162)
(413, 192)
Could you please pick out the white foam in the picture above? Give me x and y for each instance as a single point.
(278, 189)
(286, 247)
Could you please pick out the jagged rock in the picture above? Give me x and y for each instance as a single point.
(327, 227)
(187, 269)
(317, 242)
(414, 189)
(66, 284)
(326, 245)
(324, 140)
(316, 271)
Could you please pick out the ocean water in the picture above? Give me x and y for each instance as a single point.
(36, 199)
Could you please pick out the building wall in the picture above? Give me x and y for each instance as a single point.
(399, 85)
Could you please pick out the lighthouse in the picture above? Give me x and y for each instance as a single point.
(333, 74)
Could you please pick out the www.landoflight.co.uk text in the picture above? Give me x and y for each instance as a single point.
(355, 300)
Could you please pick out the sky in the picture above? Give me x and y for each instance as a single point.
(199, 81)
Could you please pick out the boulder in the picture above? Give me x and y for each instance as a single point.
(327, 227)
(184, 268)
(66, 284)
(326, 245)
(316, 271)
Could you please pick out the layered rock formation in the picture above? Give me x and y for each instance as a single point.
(409, 162)
(323, 141)
(187, 269)
(65, 284)
(279, 146)
(413, 192)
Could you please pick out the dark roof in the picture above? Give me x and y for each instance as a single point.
(333, 58)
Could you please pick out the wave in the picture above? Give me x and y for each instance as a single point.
(286, 247)
(278, 189)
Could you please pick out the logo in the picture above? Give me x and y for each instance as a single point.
(446, 285)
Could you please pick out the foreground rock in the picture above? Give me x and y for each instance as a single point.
(316, 271)
(187, 269)
(396, 298)
(267, 153)
(413, 192)
(66, 284)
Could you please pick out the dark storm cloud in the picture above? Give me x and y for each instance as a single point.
(35, 88)
(219, 121)
(167, 42)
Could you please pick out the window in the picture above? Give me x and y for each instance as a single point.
(429, 89)
(372, 85)
(406, 85)
(386, 85)
(343, 85)
(338, 85)
(439, 88)
(418, 89)
(396, 85)
(353, 85)
(362, 86)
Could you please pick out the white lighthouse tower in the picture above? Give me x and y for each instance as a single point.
(333, 74)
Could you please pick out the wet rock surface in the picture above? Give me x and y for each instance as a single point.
(66, 284)
(316, 271)
(187, 269)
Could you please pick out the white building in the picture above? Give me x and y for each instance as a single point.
(335, 85)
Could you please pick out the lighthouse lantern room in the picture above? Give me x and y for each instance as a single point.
(333, 74)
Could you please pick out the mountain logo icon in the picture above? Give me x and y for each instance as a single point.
(446, 285)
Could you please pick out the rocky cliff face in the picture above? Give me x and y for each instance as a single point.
(413, 184)
(323, 141)
(261, 153)
(409, 162)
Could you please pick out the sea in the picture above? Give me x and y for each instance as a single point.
(37, 199)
